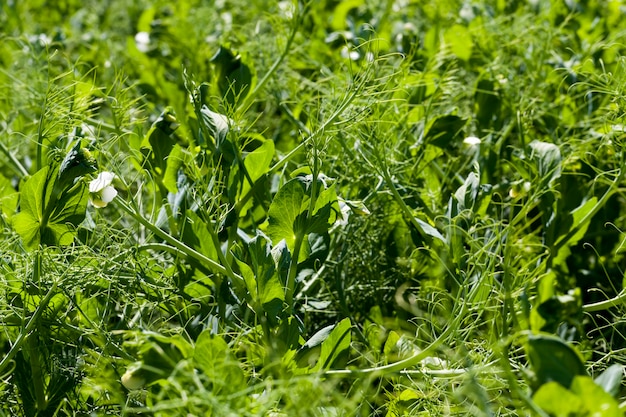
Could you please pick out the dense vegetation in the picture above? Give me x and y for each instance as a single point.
(334, 208)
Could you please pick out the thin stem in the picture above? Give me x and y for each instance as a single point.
(183, 248)
(619, 299)
(32, 346)
(6, 360)
(349, 97)
(15, 163)
(411, 361)
(294, 29)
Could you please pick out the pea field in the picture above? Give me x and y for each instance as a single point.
(312, 208)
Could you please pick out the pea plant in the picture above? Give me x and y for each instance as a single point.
(311, 208)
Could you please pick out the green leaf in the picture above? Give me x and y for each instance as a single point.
(269, 286)
(611, 379)
(459, 39)
(262, 274)
(326, 211)
(234, 78)
(584, 398)
(557, 400)
(553, 360)
(287, 215)
(27, 227)
(49, 214)
(217, 125)
(257, 164)
(76, 163)
(595, 399)
(198, 236)
(467, 193)
(258, 161)
(430, 230)
(288, 204)
(548, 160)
(175, 161)
(213, 357)
(159, 142)
(443, 130)
(8, 197)
(578, 227)
(67, 213)
(334, 346)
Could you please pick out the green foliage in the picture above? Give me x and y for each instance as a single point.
(53, 201)
(321, 208)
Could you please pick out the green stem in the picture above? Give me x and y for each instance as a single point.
(30, 326)
(180, 246)
(407, 211)
(293, 269)
(32, 346)
(294, 29)
(350, 95)
(16, 164)
(411, 361)
(619, 299)
(293, 266)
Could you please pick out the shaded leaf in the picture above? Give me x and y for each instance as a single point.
(553, 360)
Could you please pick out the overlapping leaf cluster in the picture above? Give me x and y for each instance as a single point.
(324, 208)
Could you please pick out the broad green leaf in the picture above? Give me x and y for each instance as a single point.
(557, 400)
(257, 164)
(611, 379)
(584, 398)
(594, 398)
(175, 161)
(552, 359)
(579, 225)
(213, 357)
(209, 353)
(288, 205)
(340, 18)
(430, 230)
(159, 142)
(8, 197)
(548, 159)
(217, 125)
(233, 76)
(467, 193)
(309, 352)
(335, 345)
(67, 213)
(459, 39)
(269, 286)
(558, 309)
(326, 211)
(287, 216)
(76, 163)
(197, 235)
(258, 161)
(27, 227)
(262, 274)
(48, 213)
(35, 191)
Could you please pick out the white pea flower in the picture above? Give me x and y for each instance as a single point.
(101, 191)
(142, 40)
(471, 141)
